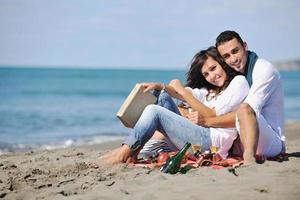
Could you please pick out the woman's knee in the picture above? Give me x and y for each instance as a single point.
(154, 112)
(245, 110)
(152, 109)
(149, 115)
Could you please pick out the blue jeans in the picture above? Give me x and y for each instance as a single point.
(165, 117)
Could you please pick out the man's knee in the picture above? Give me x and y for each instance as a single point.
(245, 110)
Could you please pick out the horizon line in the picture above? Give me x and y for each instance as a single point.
(93, 67)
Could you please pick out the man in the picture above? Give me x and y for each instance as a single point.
(260, 118)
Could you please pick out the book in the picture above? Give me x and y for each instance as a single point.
(134, 105)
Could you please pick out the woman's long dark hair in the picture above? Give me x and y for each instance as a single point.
(195, 79)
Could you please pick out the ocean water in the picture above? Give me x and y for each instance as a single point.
(51, 108)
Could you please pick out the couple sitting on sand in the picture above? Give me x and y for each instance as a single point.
(232, 93)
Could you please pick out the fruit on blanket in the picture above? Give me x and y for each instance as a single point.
(162, 157)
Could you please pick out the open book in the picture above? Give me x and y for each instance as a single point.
(134, 105)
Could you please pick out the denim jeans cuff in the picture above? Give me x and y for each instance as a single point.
(133, 143)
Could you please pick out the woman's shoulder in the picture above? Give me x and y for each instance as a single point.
(199, 93)
(197, 90)
(238, 79)
(238, 82)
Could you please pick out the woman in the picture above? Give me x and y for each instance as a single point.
(214, 89)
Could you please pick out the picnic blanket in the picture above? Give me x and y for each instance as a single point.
(214, 161)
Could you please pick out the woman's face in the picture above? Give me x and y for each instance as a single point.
(213, 72)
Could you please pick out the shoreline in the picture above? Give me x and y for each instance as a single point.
(61, 173)
(10, 149)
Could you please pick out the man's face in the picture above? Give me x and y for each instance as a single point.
(234, 54)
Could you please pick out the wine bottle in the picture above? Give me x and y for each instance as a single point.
(172, 165)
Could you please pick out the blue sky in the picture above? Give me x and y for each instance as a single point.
(140, 34)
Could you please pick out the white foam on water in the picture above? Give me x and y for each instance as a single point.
(8, 148)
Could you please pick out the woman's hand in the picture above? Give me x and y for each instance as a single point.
(183, 111)
(197, 118)
(179, 88)
(152, 86)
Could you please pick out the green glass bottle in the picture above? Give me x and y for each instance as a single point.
(172, 165)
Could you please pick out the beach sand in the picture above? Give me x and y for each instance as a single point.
(64, 174)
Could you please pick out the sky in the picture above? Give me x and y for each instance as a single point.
(163, 34)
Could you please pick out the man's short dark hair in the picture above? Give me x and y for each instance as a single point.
(226, 36)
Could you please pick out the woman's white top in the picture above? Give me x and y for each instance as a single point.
(226, 101)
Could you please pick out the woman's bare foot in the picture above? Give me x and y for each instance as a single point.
(109, 154)
(117, 156)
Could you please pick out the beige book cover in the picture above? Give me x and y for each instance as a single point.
(134, 105)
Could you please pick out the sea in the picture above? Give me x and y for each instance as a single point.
(48, 108)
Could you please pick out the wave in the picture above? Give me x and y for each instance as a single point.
(65, 93)
(6, 148)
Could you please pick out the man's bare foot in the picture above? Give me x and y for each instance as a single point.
(249, 159)
(117, 156)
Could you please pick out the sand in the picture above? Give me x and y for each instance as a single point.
(64, 174)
